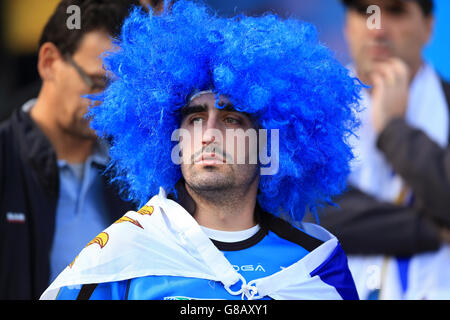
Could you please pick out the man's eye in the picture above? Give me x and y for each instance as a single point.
(196, 119)
(231, 120)
(361, 9)
(396, 10)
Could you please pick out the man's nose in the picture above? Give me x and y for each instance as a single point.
(211, 132)
(208, 139)
(382, 30)
(379, 33)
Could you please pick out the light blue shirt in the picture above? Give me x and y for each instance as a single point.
(81, 209)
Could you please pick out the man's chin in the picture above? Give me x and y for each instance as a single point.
(83, 133)
(376, 59)
(88, 134)
(210, 180)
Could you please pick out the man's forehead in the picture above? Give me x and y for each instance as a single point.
(209, 99)
(206, 101)
(89, 52)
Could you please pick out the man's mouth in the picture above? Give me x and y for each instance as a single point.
(380, 51)
(209, 158)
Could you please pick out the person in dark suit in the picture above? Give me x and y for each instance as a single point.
(398, 200)
(54, 197)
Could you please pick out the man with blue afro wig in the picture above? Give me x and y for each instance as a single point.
(196, 105)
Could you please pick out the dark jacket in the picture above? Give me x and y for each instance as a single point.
(365, 225)
(29, 187)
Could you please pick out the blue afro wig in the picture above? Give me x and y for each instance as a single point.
(274, 69)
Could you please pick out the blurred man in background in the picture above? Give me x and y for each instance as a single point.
(398, 203)
(53, 197)
(19, 80)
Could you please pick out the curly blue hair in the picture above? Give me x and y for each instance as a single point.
(274, 69)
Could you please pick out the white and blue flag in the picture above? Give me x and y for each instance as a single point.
(161, 252)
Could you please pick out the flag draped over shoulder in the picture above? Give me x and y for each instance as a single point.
(162, 238)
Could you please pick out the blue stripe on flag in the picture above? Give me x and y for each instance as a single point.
(334, 271)
(403, 267)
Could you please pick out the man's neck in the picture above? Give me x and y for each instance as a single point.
(67, 146)
(234, 211)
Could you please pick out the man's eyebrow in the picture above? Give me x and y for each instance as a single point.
(190, 109)
(229, 107)
(197, 108)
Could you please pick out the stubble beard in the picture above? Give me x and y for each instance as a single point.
(221, 188)
(80, 127)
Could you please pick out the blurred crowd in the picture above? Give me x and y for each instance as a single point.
(393, 221)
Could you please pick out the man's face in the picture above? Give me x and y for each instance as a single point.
(70, 86)
(207, 164)
(404, 32)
